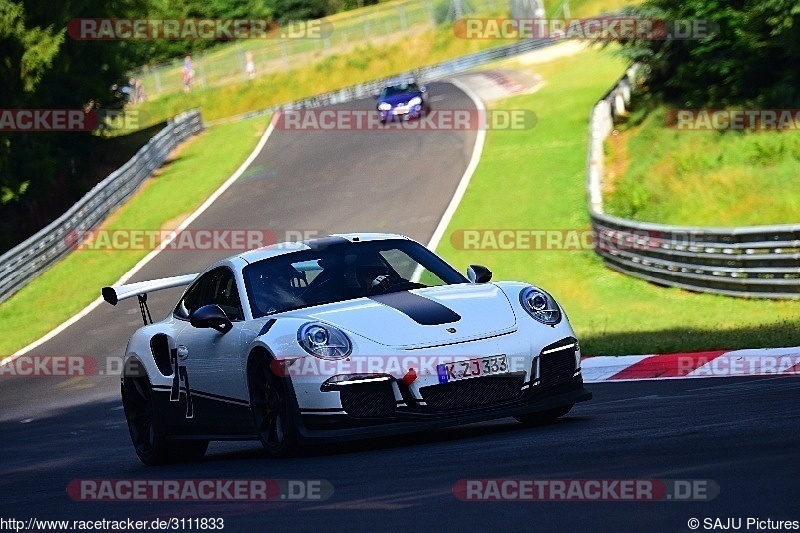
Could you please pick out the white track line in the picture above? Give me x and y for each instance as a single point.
(477, 150)
(149, 257)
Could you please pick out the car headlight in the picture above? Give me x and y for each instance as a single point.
(383, 106)
(324, 341)
(540, 305)
(415, 101)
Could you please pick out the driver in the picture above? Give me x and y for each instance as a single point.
(274, 290)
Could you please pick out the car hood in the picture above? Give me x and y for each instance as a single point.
(398, 99)
(423, 317)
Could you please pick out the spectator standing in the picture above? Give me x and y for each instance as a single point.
(249, 65)
(188, 74)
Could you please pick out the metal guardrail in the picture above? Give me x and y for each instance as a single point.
(753, 262)
(29, 259)
(33, 256)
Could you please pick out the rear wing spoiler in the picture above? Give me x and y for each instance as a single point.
(116, 293)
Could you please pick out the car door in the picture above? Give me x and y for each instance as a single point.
(211, 380)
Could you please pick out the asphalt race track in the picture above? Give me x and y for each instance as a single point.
(325, 182)
(740, 434)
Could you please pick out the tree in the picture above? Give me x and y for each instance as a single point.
(149, 52)
(42, 173)
(290, 10)
(751, 58)
(26, 52)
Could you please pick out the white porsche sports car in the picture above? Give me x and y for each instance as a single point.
(337, 338)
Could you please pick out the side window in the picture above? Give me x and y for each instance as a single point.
(215, 287)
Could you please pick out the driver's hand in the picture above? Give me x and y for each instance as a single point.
(379, 284)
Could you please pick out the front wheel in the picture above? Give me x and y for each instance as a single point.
(269, 401)
(147, 434)
(543, 417)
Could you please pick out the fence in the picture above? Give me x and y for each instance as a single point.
(30, 258)
(388, 21)
(756, 261)
(424, 74)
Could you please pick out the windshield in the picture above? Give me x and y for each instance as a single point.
(401, 88)
(343, 271)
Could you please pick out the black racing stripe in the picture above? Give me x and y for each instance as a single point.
(267, 325)
(421, 310)
(208, 395)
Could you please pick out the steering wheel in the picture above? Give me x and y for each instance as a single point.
(379, 285)
(383, 283)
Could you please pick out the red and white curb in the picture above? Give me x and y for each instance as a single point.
(719, 363)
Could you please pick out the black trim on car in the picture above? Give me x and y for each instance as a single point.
(420, 309)
(338, 428)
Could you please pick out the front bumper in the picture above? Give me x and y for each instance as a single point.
(401, 113)
(387, 406)
(317, 428)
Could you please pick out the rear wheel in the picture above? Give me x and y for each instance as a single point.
(543, 417)
(269, 401)
(147, 435)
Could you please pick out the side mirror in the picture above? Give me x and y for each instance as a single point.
(479, 274)
(376, 96)
(210, 316)
(423, 89)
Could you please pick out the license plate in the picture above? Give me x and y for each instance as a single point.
(401, 110)
(480, 366)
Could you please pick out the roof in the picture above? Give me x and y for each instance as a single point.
(282, 248)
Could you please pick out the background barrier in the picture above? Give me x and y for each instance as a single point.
(37, 253)
(756, 261)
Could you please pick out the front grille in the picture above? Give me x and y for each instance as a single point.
(558, 366)
(368, 400)
(473, 392)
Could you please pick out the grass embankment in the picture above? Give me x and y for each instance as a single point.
(364, 63)
(341, 66)
(70, 285)
(196, 171)
(703, 178)
(538, 177)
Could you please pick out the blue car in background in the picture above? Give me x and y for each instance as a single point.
(402, 100)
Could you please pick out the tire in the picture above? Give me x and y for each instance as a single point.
(147, 435)
(543, 417)
(269, 403)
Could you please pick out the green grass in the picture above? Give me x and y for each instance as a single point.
(704, 178)
(71, 284)
(538, 177)
(197, 170)
(319, 72)
(365, 62)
